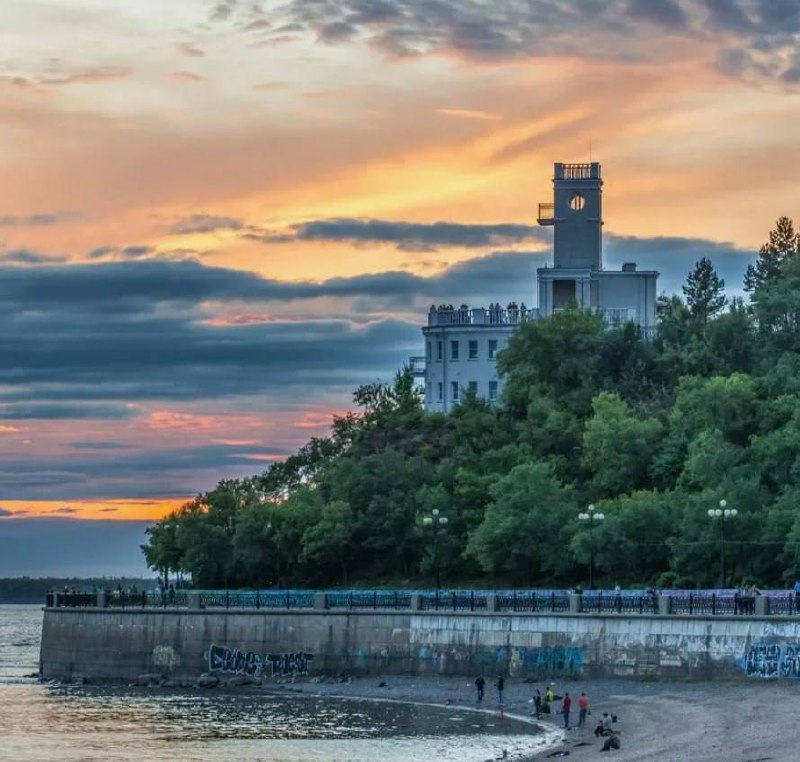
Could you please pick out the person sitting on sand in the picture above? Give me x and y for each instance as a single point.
(612, 742)
(603, 725)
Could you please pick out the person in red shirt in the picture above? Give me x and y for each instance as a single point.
(566, 707)
(583, 707)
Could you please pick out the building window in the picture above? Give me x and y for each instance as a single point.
(473, 349)
(454, 390)
(473, 386)
(492, 348)
(492, 390)
(439, 351)
(441, 391)
(454, 350)
(428, 351)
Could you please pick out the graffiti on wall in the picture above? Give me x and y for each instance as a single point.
(561, 661)
(773, 660)
(232, 661)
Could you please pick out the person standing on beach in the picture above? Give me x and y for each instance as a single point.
(479, 685)
(537, 704)
(566, 708)
(500, 685)
(583, 710)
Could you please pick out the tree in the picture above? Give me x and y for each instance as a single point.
(617, 448)
(783, 244)
(524, 534)
(704, 291)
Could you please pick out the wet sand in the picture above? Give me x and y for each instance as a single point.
(753, 721)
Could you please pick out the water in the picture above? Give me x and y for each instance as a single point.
(47, 723)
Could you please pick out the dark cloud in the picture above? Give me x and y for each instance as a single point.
(406, 236)
(59, 546)
(5, 513)
(124, 252)
(502, 31)
(27, 257)
(189, 49)
(65, 510)
(204, 223)
(153, 473)
(667, 13)
(55, 411)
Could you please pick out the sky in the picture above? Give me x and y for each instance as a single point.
(218, 218)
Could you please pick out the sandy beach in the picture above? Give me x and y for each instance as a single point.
(752, 721)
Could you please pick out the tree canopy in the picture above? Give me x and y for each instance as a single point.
(653, 432)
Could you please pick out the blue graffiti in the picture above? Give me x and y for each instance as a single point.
(772, 661)
(251, 664)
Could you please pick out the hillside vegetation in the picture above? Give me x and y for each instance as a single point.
(652, 433)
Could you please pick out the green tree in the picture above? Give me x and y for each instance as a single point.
(705, 292)
(783, 244)
(617, 448)
(524, 534)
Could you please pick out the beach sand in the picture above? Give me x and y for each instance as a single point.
(753, 721)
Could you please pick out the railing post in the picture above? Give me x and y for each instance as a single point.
(193, 599)
(320, 601)
(514, 601)
(374, 599)
(350, 600)
(454, 601)
(533, 602)
(472, 600)
(258, 599)
(396, 600)
(713, 604)
(552, 603)
(227, 599)
(762, 605)
(288, 600)
(664, 605)
(691, 604)
(416, 602)
(436, 600)
(101, 599)
(575, 603)
(492, 602)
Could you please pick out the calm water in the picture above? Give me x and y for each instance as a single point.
(69, 724)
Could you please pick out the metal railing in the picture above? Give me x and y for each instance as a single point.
(599, 602)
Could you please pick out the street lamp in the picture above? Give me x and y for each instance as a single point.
(592, 517)
(723, 513)
(437, 522)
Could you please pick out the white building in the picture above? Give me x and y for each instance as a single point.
(461, 344)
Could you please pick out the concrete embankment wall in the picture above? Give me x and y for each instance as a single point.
(121, 644)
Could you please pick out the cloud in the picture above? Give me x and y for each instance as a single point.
(87, 76)
(186, 76)
(4, 513)
(463, 113)
(406, 236)
(65, 510)
(9, 430)
(50, 411)
(98, 444)
(764, 30)
(189, 49)
(125, 252)
(27, 257)
(60, 546)
(204, 223)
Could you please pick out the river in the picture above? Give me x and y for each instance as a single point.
(56, 723)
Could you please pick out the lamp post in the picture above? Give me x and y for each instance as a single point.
(723, 513)
(591, 517)
(436, 521)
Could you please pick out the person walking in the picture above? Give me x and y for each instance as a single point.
(500, 685)
(480, 683)
(566, 708)
(537, 704)
(583, 710)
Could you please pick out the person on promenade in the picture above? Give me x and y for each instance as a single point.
(797, 595)
(500, 685)
(566, 708)
(537, 704)
(480, 683)
(583, 710)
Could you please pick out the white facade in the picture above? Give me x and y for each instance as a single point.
(461, 347)
(461, 343)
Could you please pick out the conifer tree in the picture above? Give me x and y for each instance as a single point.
(704, 291)
(783, 244)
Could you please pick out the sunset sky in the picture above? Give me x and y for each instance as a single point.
(218, 218)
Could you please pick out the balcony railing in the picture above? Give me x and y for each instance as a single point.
(417, 366)
(578, 171)
(547, 214)
(498, 316)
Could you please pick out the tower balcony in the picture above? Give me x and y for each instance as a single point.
(547, 214)
(589, 171)
(417, 366)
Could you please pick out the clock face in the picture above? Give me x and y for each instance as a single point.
(577, 202)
